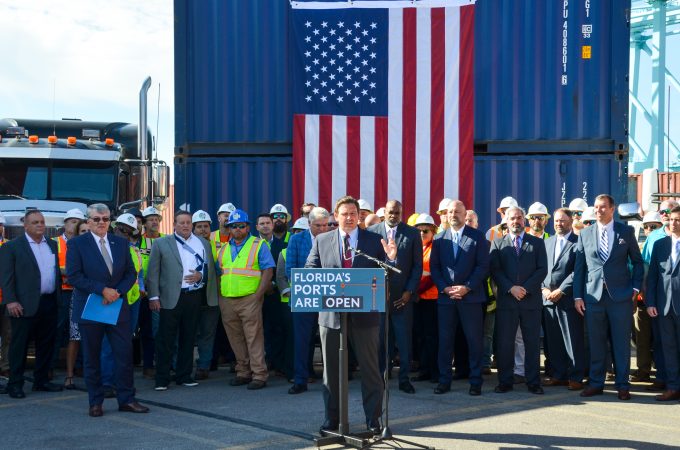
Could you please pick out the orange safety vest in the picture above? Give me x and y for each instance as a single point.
(432, 293)
(61, 249)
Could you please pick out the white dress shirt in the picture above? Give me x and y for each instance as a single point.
(45, 259)
(610, 234)
(189, 261)
(353, 240)
(106, 243)
(392, 230)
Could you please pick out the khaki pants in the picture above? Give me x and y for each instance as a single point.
(643, 340)
(242, 320)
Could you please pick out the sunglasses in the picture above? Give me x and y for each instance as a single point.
(577, 213)
(504, 227)
(100, 219)
(665, 211)
(238, 227)
(650, 227)
(425, 231)
(536, 217)
(332, 224)
(278, 216)
(588, 222)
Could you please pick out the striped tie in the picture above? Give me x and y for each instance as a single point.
(603, 250)
(517, 246)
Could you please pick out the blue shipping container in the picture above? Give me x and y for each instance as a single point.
(553, 180)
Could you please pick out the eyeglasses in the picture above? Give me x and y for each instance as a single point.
(100, 219)
(536, 217)
(332, 224)
(577, 213)
(426, 231)
(665, 211)
(238, 227)
(588, 222)
(279, 216)
(650, 227)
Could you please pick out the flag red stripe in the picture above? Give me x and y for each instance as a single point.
(298, 159)
(438, 75)
(380, 192)
(325, 161)
(408, 161)
(354, 155)
(466, 106)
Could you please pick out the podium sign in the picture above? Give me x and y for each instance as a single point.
(337, 290)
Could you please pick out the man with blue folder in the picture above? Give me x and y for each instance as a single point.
(99, 264)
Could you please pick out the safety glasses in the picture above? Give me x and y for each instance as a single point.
(100, 219)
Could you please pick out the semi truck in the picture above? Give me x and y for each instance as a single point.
(58, 165)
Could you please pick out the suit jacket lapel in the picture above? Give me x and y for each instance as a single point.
(399, 233)
(27, 248)
(461, 244)
(174, 249)
(335, 241)
(95, 248)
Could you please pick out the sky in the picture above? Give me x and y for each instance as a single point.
(88, 59)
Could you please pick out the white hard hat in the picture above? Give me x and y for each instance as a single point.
(127, 219)
(539, 209)
(381, 212)
(444, 205)
(588, 214)
(74, 213)
(150, 211)
(200, 216)
(506, 203)
(363, 204)
(577, 204)
(279, 208)
(651, 217)
(227, 207)
(424, 219)
(301, 224)
(2, 219)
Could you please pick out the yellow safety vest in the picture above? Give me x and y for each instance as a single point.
(284, 299)
(241, 276)
(216, 243)
(145, 249)
(133, 294)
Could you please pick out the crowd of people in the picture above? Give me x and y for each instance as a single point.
(466, 302)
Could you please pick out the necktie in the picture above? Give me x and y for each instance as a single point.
(347, 254)
(390, 235)
(517, 245)
(455, 244)
(558, 249)
(107, 258)
(603, 250)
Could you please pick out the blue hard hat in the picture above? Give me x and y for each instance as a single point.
(238, 216)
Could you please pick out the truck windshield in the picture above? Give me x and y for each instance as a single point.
(57, 180)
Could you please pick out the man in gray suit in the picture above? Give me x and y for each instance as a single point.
(563, 326)
(663, 302)
(334, 250)
(180, 280)
(518, 267)
(605, 290)
(403, 288)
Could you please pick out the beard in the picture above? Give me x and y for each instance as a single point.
(280, 227)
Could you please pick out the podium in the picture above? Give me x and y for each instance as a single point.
(346, 291)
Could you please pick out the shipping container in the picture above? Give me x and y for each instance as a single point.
(553, 180)
(669, 182)
(253, 184)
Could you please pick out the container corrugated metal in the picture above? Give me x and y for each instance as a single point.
(253, 184)
(668, 182)
(168, 212)
(231, 71)
(553, 180)
(520, 92)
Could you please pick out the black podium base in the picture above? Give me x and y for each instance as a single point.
(366, 439)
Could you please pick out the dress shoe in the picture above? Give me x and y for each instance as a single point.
(503, 388)
(189, 382)
(47, 387)
(656, 386)
(475, 390)
(96, 411)
(535, 389)
(407, 387)
(575, 386)
(15, 392)
(133, 407)
(202, 374)
(667, 396)
(421, 377)
(442, 388)
(149, 373)
(256, 384)
(640, 377)
(555, 382)
(297, 389)
(328, 425)
(591, 391)
(239, 381)
(518, 379)
(624, 394)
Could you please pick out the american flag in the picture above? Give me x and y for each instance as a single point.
(383, 102)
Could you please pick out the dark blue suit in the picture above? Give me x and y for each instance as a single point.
(564, 332)
(469, 266)
(663, 293)
(87, 273)
(299, 246)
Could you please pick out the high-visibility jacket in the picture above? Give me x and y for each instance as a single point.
(145, 244)
(430, 293)
(61, 249)
(217, 241)
(2, 242)
(241, 276)
(133, 294)
(284, 299)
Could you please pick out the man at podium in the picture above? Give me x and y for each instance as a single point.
(335, 250)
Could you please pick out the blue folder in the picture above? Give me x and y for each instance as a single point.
(96, 311)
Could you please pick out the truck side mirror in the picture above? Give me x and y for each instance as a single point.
(161, 181)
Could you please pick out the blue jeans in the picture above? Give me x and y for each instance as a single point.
(108, 366)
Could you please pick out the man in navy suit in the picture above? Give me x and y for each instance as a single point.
(459, 265)
(663, 302)
(298, 250)
(403, 288)
(334, 250)
(563, 326)
(605, 290)
(518, 267)
(100, 263)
